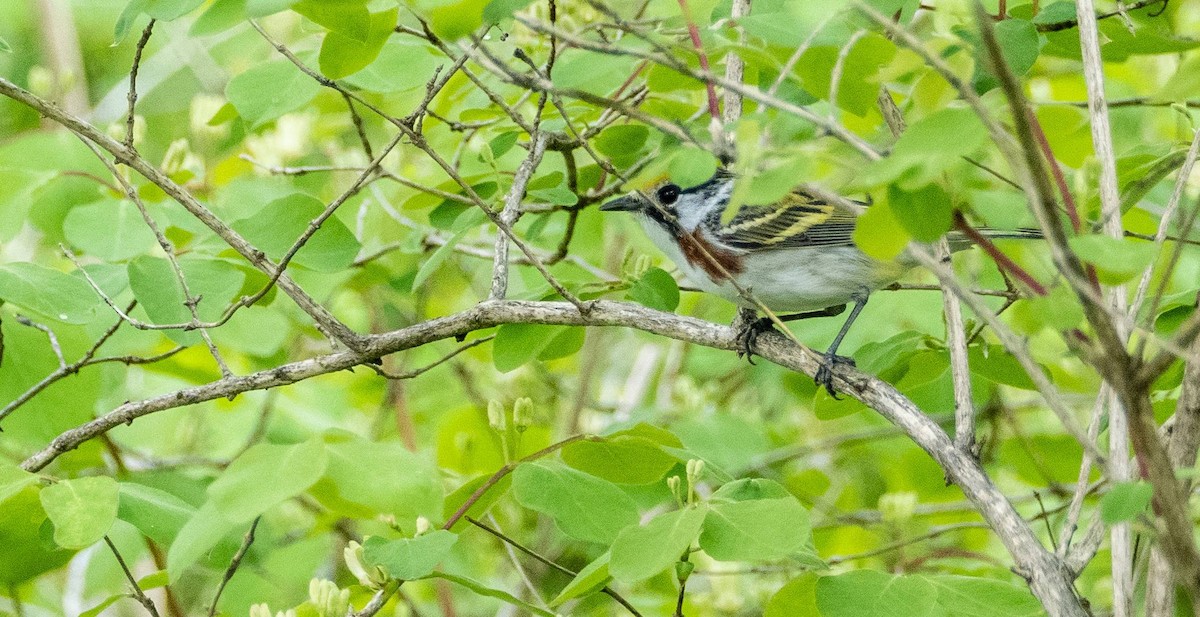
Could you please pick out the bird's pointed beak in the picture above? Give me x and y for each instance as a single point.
(628, 203)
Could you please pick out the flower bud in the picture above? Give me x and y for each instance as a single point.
(523, 413)
(260, 610)
(683, 570)
(495, 415)
(695, 467)
(42, 81)
(327, 598)
(673, 484)
(373, 577)
(423, 525)
(641, 263)
(897, 507)
(176, 157)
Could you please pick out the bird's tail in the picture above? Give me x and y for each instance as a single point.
(959, 241)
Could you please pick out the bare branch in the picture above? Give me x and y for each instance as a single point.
(1048, 579)
(128, 157)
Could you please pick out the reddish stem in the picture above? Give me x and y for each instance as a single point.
(632, 76)
(714, 109)
(1002, 260)
(1056, 171)
(504, 471)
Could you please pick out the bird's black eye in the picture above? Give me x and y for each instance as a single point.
(667, 194)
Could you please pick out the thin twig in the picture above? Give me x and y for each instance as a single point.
(234, 563)
(133, 73)
(424, 369)
(134, 588)
(64, 369)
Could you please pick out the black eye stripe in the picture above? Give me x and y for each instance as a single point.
(667, 194)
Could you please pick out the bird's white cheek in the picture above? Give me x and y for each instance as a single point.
(667, 244)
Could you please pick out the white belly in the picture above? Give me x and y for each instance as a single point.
(791, 280)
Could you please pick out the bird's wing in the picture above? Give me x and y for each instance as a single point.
(797, 221)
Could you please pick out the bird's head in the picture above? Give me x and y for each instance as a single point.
(667, 203)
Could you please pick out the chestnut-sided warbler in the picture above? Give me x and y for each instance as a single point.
(796, 256)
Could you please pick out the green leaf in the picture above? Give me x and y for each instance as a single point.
(925, 213)
(622, 141)
(620, 458)
(929, 148)
(1116, 260)
(692, 166)
(343, 55)
(436, 259)
(270, 90)
(278, 226)
(260, 8)
(13, 480)
(125, 20)
(1125, 501)
(380, 477)
(265, 475)
(401, 65)
(166, 10)
(879, 233)
(1055, 12)
(205, 530)
(159, 293)
(156, 513)
(409, 558)
(724, 441)
(640, 552)
(220, 16)
(797, 597)
(99, 608)
(754, 519)
(559, 195)
(457, 19)
(48, 293)
(1184, 84)
(516, 344)
(27, 551)
(502, 143)
(110, 230)
(867, 593)
(757, 530)
(583, 506)
(1019, 46)
(498, 10)
(153, 581)
(566, 343)
(592, 578)
(349, 18)
(859, 65)
(82, 509)
(968, 596)
(484, 590)
(456, 499)
(4, 46)
(17, 189)
(656, 289)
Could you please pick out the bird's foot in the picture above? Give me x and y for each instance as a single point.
(824, 376)
(747, 336)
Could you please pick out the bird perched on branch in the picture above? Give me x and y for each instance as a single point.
(794, 256)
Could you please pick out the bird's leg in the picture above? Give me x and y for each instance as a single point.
(824, 376)
(749, 327)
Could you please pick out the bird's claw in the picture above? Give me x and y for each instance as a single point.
(748, 335)
(824, 376)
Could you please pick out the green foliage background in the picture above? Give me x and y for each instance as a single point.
(806, 505)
